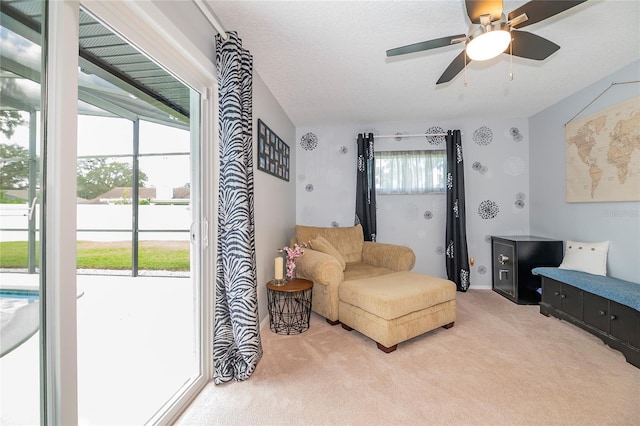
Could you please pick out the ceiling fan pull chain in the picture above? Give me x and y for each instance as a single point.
(465, 71)
(511, 59)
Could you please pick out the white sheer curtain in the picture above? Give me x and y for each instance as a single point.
(410, 172)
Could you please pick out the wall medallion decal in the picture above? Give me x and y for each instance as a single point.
(428, 215)
(488, 209)
(478, 167)
(309, 141)
(440, 250)
(482, 269)
(335, 224)
(309, 188)
(483, 136)
(343, 150)
(515, 134)
(438, 139)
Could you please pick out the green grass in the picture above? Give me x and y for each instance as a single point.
(152, 255)
(162, 259)
(13, 254)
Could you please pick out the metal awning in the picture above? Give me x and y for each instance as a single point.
(115, 79)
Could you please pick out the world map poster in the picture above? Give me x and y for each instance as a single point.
(603, 155)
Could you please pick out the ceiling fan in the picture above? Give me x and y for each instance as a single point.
(491, 34)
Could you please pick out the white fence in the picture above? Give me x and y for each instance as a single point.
(102, 219)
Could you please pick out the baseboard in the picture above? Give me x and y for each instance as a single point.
(264, 322)
(480, 286)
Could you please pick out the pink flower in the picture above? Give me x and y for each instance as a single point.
(292, 254)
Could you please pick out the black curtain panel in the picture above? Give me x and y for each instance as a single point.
(366, 187)
(457, 255)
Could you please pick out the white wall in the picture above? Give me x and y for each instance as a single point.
(551, 216)
(401, 218)
(275, 199)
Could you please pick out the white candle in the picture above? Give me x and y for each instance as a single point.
(278, 268)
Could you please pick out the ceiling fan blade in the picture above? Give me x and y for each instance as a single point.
(454, 68)
(426, 45)
(539, 10)
(531, 46)
(477, 8)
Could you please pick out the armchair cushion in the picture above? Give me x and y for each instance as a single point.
(322, 245)
(348, 241)
(390, 256)
(359, 270)
(320, 268)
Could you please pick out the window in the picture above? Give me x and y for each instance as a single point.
(410, 172)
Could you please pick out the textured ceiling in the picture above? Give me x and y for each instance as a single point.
(325, 61)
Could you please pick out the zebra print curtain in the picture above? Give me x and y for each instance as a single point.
(236, 338)
(366, 187)
(457, 257)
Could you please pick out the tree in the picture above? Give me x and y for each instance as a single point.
(14, 166)
(14, 159)
(98, 175)
(9, 120)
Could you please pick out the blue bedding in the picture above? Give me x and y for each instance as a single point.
(623, 292)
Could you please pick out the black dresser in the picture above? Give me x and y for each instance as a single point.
(513, 258)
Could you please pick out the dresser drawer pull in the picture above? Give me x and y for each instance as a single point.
(613, 317)
(602, 313)
(563, 296)
(557, 293)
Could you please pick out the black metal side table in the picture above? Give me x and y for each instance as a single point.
(290, 306)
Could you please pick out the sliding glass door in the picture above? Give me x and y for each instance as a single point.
(20, 230)
(137, 196)
(117, 329)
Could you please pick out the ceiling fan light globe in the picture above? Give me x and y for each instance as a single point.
(488, 45)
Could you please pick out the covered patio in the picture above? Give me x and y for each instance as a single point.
(136, 349)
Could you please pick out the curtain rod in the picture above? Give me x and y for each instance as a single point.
(212, 18)
(418, 135)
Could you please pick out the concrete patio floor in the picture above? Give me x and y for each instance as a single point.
(136, 348)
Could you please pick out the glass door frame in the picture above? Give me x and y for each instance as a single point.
(145, 26)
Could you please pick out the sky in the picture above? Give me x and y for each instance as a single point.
(109, 136)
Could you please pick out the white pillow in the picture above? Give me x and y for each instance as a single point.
(586, 257)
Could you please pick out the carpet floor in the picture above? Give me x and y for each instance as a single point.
(501, 364)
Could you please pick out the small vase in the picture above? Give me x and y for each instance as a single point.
(278, 283)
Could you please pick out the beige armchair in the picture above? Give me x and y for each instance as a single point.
(336, 255)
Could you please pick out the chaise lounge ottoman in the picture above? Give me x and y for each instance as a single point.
(396, 307)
